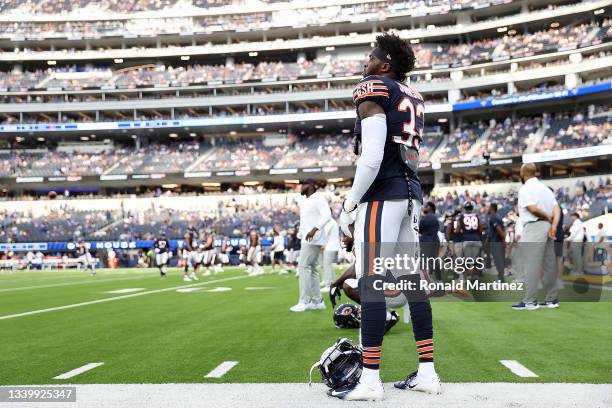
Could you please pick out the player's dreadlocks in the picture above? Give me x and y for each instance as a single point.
(402, 56)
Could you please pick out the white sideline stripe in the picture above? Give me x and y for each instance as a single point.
(77, 371)
(93, 302)
(259, 287)
(221, 369)
(126, 290)
(518, 369)
(54, 285)
(245, 395)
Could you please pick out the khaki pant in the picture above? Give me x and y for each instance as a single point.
(538, 259)
(575, 255)
(310, 289)
(328, 267)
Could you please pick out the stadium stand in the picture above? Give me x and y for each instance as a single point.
(436, 55)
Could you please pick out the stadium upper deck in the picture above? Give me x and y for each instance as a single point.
(480, 67)
(26, 37)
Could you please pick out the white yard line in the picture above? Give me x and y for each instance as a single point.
(56, 285)
(70, 277)
(518, 369)
(126, 290)
(93, 302)
(221, 369)
(77, 371)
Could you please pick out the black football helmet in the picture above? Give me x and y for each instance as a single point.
(347, 316)
(340, 365)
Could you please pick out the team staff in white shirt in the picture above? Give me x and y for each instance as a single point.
(575, 242)
(314, 215)
(539, 213)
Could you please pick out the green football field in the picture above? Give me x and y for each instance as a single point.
(54, 322)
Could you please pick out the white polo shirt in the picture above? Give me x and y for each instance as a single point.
(537, 193)
(314, 212)
(576, 232)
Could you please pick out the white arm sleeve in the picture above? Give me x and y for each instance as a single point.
(373, 138)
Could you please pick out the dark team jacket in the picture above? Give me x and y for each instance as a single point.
(495, 221)
(404, 108)
(163, 245)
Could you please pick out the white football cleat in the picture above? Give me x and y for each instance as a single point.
(186, 279)
(194, 276)
(300, 307)
(325, 289)
(429, 384)
(316, 306)
(360, 392)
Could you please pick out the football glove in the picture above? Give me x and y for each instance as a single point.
(334, 294)
(347, 216)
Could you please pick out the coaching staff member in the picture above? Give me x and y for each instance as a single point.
(314, 215)
(539, 213)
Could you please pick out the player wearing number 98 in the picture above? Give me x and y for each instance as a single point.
(469, 230)
(385, 203)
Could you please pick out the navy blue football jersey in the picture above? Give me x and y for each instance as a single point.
(162, 244)
(405, 111)
(470, 224)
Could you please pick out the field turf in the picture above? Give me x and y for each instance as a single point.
(178, 337)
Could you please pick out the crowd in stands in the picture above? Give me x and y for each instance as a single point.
(506, 137)
(55, 163)
(248, 154)
(573, 130)
(509, 138)
(230, 218)
(57, 225)
(298, 15)
(242, 155)
(156, 158)
(459, 142)
(436, 55)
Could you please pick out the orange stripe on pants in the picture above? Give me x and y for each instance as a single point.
(372, 237)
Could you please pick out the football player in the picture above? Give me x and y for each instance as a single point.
(293, 247)
(450, 226)
(469, 231)
(162, 247)
(198, 258)
(189, 251)
(224, 252)
(209, 253)
(384, 205)
(85, 259)
(215, 258)
(253, 258)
